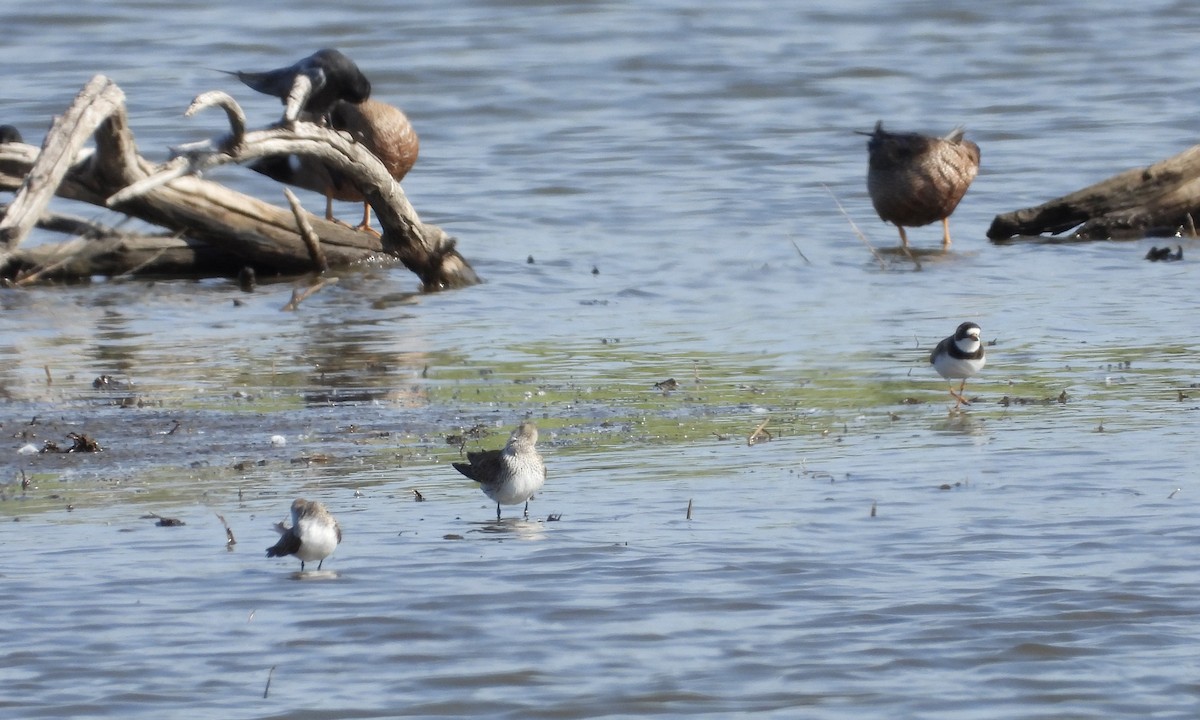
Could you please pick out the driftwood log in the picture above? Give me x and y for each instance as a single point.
(211, 230)
(1158, 200)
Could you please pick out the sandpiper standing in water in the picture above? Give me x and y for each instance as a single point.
(959, 357)
(510, 476)
(314, 534)
(916, 180)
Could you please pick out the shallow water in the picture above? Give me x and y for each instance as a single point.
(672, 172)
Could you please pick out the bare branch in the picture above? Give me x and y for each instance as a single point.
(306, 231)
(237, 117)
(302, 88)
(94, 104)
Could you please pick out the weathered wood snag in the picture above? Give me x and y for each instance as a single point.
(1160, 199)
(211, 230)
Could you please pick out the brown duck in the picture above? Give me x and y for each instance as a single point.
(381, 128)
(916, 180)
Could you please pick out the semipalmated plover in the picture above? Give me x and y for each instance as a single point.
(959, 357)
(510, 476)
(314, 534)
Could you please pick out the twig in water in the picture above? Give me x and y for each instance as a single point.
(49, 378)
(872, 508)
(759, 431)
(689, 510)
(854, 227)
(801, 254)
(267, 689)
(1172, 495)
(299, 295)
(68, 251)
(229, 540)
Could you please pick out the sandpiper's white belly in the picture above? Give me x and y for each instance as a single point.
(517, 484)
(318, 539)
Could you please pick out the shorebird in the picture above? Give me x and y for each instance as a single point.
(959, 356)
(512, 475)
(916, 180)
(9, 134)
(334, 78)
(314, 534)
(381, 128)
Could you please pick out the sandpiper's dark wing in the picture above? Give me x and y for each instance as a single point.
(289, 544)
(483, 468)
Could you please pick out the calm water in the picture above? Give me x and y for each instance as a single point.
(661, 163)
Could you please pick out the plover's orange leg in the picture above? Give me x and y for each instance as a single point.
(957, 395)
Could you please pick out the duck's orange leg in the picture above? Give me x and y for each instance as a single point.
(365, 226)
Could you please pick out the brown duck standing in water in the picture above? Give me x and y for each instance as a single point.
(381, 128)
(916, 179)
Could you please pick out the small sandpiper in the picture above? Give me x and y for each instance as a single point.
(314, 534)
(510, 476)
(959, 356)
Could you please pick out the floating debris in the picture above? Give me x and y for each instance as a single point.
(1061, 399)
(109, 383)
(164, 521)
(229, 539)
(1164, 254)
(759, 432)
(79, 444)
